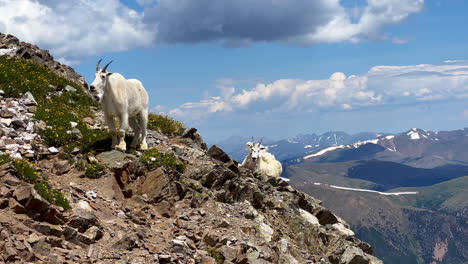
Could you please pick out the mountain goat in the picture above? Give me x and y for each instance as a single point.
(261, 161)
(126, 100)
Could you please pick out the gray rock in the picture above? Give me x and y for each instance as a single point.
(37, 203)
(114, 159)
(69, 88)
(10, 253)
(62, 167)
(193, 134)
(6, 113)
(28, 99)
(83, 217)
(354, 255)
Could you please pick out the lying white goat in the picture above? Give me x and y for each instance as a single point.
(261, 161)
(126, 100)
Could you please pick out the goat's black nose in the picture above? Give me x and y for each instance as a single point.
(92, 88)
(254, 159)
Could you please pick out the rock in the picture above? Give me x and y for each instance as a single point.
(163, 258)
(28, 99)
(342, 229)
(10, 253)
(48, 229)
(18, 123)
(37, 203)
(217, 153)
(22, 194)
(90, 236)
(6, 113)
(62, 167)
(4, 203)
(114, 159)
(5, 191)
(156, 185)
(16, 207)
(127, 242)
(354, 255)
(230, 253)
(10, 180)
(42, 247)
(193, 134)
(69, 88)
(208, 260)
(83, 217)
(53, 150)
(265, 231)
(310, 218)
(53, 216)
(325, 217)
(6, 169)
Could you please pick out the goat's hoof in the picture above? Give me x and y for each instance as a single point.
(144, 146)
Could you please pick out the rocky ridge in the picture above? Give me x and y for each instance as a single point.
(13, 47)
(214, 212)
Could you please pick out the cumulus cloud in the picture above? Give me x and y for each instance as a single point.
(381, 85)
(75, 28)
(300, 22)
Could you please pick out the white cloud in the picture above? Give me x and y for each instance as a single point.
(299, 22)
(75, 28)
(381, 85)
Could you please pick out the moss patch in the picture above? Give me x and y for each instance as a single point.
(153, 159)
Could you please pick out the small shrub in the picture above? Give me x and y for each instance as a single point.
(25, 170)
(94, 171)
(4, 159)
(53, 196)
(153, 159)
(165, 124)
(214, 253)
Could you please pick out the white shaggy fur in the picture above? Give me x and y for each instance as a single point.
(261, 161)
(126, 100)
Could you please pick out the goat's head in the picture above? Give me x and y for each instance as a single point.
(100, 80)
(255, 150)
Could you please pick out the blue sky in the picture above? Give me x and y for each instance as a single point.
(269, 67)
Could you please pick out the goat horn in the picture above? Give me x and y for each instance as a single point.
(105, 67)
(261, 141)
(97, 65)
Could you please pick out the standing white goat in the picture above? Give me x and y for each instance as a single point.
(126, 100)
(261, 161)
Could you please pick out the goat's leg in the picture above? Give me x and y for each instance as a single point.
(111, 124)
(132, 121)
(143, 125)
(123, 126)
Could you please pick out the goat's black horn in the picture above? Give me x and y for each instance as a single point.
(261, 141)
(105, 67)
(97, 65)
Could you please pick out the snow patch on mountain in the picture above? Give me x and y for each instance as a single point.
(364, 190)
(323, 151)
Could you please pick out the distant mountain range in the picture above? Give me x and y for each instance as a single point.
(428, 227)
(290, 148)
